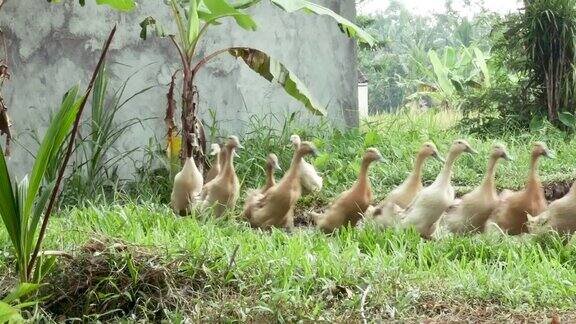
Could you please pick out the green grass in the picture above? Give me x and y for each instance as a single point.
(152, 265)
(293, 276)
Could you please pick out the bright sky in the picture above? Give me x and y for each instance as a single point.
(427, 7)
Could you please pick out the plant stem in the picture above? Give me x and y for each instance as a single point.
(69, 150)
(208, 58)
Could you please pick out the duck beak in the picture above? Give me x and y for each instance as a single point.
(549, 154)
(277, 167)
(236, 154)
(437, 156)
(314, 153)
(381, 159)
(470, 150)
(507, 157)
(239, 146)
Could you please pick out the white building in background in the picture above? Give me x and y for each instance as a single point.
(362, 95)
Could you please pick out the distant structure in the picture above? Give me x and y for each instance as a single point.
(362, 95)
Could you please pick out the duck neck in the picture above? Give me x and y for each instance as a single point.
(533, 179)
(190, 165)
(228, 170)
(294, 171)
(416, 175)
(270, 181)
(446, 174)
(363, 180)
(488, 183)
(222, 158)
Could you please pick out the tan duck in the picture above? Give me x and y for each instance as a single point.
(350, 205)
(560, 216)
(472, 212)
(187, 187)
(222, 192)
(405, 193)
(309, 178)
(429, 205)
(272, 165)
(217, 164)
(275, 208)
(511, 214)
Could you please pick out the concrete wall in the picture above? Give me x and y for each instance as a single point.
(363, 100)
(52, 47)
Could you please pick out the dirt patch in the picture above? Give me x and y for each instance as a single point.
(557, 190)
(433, 310)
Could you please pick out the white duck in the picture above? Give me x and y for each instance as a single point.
(187, 187)
(429, 205)
(309, 178)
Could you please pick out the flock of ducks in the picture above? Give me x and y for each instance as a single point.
(430, 210)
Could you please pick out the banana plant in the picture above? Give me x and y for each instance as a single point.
(23, 203)
(452, 74)
(193, 18)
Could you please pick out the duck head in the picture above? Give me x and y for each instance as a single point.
(541, 149)
(462, 146)
(272, 162)
(215, 149)
(234, 142)
(429, 149)
(295, 140)
(499, 151)
(373, 155)
(307, 148)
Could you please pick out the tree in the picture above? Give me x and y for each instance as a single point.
(193, 18)
(539, 42)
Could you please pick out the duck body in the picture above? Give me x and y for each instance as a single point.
(511, 214)
(223, 191)
(560, 215)
(471, 213)
(310, 180)
(349, 207)
(474, 209)
(187, 187)
(429, 205)
(275, 207)
(253, 195)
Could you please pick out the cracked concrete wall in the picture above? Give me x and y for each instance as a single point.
(52, 47)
